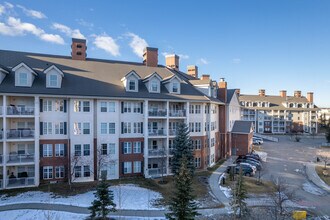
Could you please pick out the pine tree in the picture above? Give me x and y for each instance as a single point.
(103, 203)
(182, 205)
(239, 194)
(327, 134)
(182, 148)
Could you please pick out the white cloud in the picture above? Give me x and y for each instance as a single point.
(107, 44)
(84, 23)
(137, 44)
(15, 27)
(182, 56)
(203, 61)
(32, 13)
(236, 61)
(9, 5)
(2, 9)
(74, 33)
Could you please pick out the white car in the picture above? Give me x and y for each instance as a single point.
(257, 141)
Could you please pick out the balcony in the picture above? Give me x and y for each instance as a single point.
(25, 133)
(157, 132)
(12, 181)
(172, 132)
(157, 153)
(158, 113)
(20, 111)
(177, 113)
(1, 186)
(1, 135)
(157, 172)
(16, 158)
(0, 110)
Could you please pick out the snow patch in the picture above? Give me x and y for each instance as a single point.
(40, 215)
(308, 187)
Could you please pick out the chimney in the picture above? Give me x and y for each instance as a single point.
(238, 91)
(310, 97)
(283, 93)
(78, 49)
(222, 91)
(262, 92)
(297, 94)
(150, 56)
(172, 61)
(192, 71)
(205, 77)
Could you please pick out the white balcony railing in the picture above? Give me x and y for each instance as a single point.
(19, 158)
(156, 132)
(158, 113)
(156, 172)
(0, 110)
(172, 132)
(17, 182)
(25, 133)
(13, 110)
(157, 153)
(177, 113)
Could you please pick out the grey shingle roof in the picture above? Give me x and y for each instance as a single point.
(93, 77)
(230, 93)
(243, 127)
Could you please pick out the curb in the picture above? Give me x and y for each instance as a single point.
(314, 177)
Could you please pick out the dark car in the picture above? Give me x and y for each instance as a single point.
(253, 163)
(252, 156)
(247, 171)
(249, 158)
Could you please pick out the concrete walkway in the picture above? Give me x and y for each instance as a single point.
(314, 177)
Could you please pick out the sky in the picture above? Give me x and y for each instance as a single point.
(254, 44)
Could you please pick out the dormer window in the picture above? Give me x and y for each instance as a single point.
(24, 75)
(53, 77)
(130, 81)
(53, 80)
(22, 79)
(175, 87)
(154, 86)
(132, 85)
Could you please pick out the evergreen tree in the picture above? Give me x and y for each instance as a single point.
(327, 134)
(182, 205)
(182, 148)
(239, 194)
(103, 203)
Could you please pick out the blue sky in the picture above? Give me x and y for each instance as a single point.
(274, 44)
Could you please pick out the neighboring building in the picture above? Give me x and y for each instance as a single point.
(324, 116)
(280, 114)
(74, 117)
(241, 137)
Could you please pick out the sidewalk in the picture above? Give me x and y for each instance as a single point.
(312, 176)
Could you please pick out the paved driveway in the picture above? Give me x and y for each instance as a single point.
(286, 159)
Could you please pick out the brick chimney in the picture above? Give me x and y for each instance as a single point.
(172, 61)
(297, 94)
(310, 97)
(78, 49)
(150, 56)
(222, 91)
(205, 77)
(192, 70)
(238, 91)
(283, 93)
(262, 92)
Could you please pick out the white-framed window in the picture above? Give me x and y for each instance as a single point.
(76, 128)
(112, 148)
(132, 85)
(47, 150)
(137, 147)
(175, 87)
(59, 127)
(48, 172)
(198, 127)
(197, 109)
(87, 150)
(103, 106)
(137, 166)
(112, 128)
(87, 171)
(86, 106)
(59, 105)
(197, 144)
(81, 106)
(59, 172)
(112, 107)
(47, 105)
(127, 107)
(126, 127)
(47, 128)
(127, 148)
(191, 109)
(77, 171)
(86, 128)
(197, 162)
(127, 167)
(191, 127)
(77, 150)
(154, 86)
(136, 107)
(53, 80)
(59, 150)
(137, 127)
(112, 169)
(103, 128)
(212, 142)
(104, 149)
(23, 79)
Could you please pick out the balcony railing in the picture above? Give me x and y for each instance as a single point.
(19, 158)
(20, 133)
(156, 132)
(1, 184)
(177, 113)
(1, 135)
(156, 172)
(13, 110)
(0, 110)
(172, 132)
(158, 113)
(17, 182)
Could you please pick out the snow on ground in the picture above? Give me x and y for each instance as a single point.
(308, 187)
(125, 196)
(225, 190)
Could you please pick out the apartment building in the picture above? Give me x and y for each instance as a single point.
(280, 114)
(73, 118)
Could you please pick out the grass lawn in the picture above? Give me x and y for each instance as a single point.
(319, 171)
(253, 187)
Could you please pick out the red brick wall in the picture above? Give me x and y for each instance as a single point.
(130, 157)
(202, 153)
(242, 143)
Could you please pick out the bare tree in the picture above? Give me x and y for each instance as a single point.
(74, 162)
(324, 156)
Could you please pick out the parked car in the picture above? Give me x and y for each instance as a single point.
(244, 164)
(250, 156)
(257, 140)
(253, 163)
(247, 171)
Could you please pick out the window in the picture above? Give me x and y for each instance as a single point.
(137, 147)
(127, 107)
(87, 150)
(154, 86)
(47, 172)
(86, 106)
(59, 150)
(127, 147)
(59, 105)
(197, 109)
(53, 80)
(197, 144)
(76, 128)
(112, 148)
(47, 105)
(197, 162)
(112, 128)
(136, 107)
(87, 171)
(126, 127)
(104, 149)
(77, 150)
(191, 109)
(131, 85)
(59, 172)
(81, 106)
(212, 142)
(59, 128)
(47, 128)
(103, 107)
(175, 87)
(191, 127)
(86, 129)
(103, 128)
(23, 79)
(198, 127)
(137, 166)
(127, 167)
(112, 106)
(137, 127)
(77, 106)
(47, 150)
(77, 171)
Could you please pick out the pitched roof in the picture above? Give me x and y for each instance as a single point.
(243, 127)
(230, 94)
(93, 77)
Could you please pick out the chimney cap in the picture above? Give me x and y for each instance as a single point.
(171, 55)
(150, 49)
(310, 92)
(78, 40)
(192, 67)
(222, 80)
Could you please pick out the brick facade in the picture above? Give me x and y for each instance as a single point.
(131, 157)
